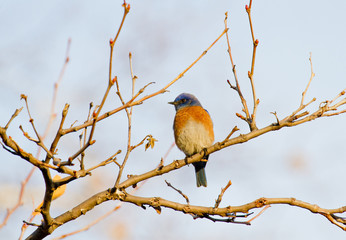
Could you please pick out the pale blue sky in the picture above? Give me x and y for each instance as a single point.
(164, 38)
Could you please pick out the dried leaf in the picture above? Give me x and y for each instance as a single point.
(150, 143)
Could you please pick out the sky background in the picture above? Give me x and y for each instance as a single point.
(306, 162)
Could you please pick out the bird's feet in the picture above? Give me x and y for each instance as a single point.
(205, 155)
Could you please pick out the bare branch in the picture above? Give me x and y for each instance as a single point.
(224, 212)
(255, 42)
(311, 77)
(237, 87)
(132, 102)
(302, 105)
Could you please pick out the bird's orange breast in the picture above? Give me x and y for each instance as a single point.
(193, 129)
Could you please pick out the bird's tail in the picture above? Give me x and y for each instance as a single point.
(201, 178)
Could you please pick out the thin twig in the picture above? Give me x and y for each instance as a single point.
(112, 41)
(110, 84)
(133, 77)
(333, 114)
(311, 77)
(132, 102)
(105, 162)
(129, 122)
(179, 191)
(237, 87)
(276, 116)
(84, 172)
(231, 133)
(342, 93)
(252, 123)
(162, 160)
(14, 115)
(59, 132)
(31, 224)
(31, 120)
(226, 220)
(83, 137)
(302, 105)
(223, 190)
(257, 215)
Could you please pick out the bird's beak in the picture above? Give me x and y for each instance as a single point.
(173, 103)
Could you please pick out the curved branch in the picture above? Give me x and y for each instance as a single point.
(200, 211)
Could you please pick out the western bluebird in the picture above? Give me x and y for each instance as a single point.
(193, 131)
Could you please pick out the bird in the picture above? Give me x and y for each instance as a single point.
(193, 131)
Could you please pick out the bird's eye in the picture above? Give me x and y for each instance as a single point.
(183, 100)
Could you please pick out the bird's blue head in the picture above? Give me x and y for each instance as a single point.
(185, 100)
